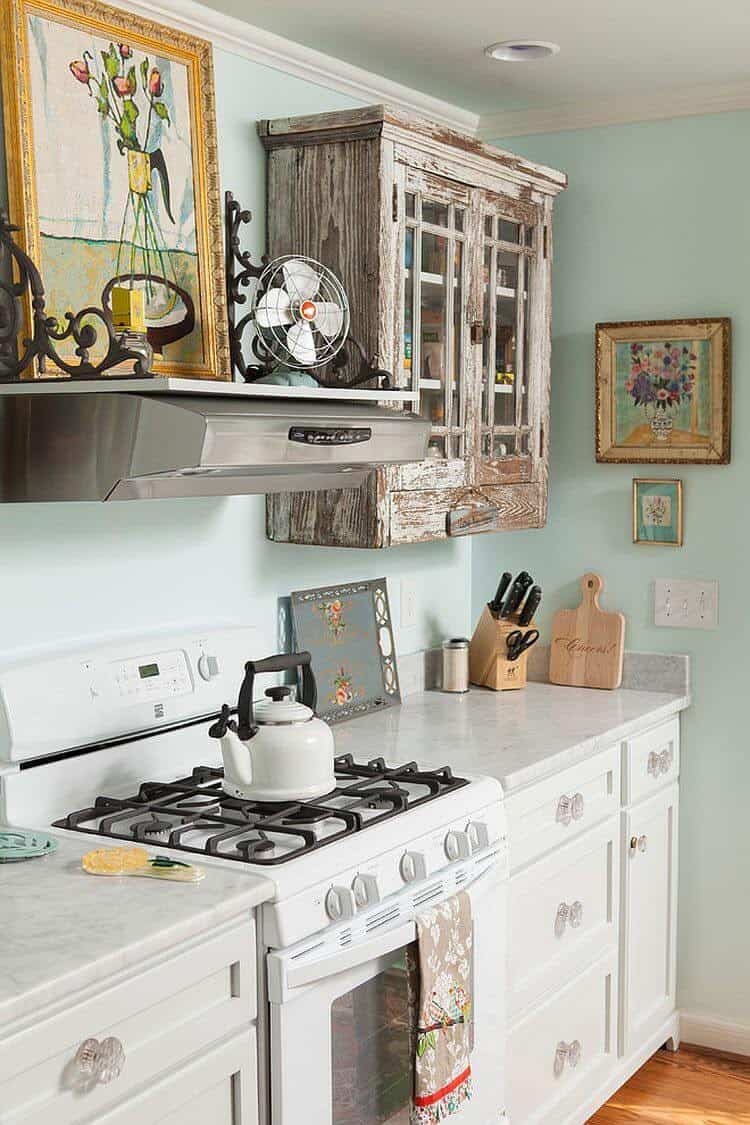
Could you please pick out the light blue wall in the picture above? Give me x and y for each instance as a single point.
(656, 223)
(89, 570)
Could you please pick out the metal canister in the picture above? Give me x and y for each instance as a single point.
(455, 676)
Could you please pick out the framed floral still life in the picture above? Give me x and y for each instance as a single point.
(657, 512)
(347, 630)
(663, 391)
(112, 169)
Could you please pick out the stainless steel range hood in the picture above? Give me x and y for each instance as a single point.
(158, 438)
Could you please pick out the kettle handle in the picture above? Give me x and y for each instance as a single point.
(284, 662)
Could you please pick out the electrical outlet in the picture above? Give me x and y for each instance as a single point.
(686, 603)
(409, 602)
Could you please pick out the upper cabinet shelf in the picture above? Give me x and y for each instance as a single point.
(444, 247)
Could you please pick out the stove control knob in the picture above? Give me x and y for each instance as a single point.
(340, 904)
(208, 666)
(479, 835)
(457, 845)
(413, 867)
(366, 890)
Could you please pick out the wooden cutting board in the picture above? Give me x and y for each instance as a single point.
(587, 644)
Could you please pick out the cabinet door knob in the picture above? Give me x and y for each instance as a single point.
(567, 1052)
(564, 811)
(638, 843)
(665, 760)
(565, 915)
(577, 806)
(100, 1061)
(653, 764)
(576, 914)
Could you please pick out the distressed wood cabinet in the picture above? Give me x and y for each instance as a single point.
(444, 247)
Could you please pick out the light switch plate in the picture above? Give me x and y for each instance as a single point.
(686, 603)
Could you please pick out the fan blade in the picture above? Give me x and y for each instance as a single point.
(273, 309)
(329, 318)
(300, 344)
(301, 279)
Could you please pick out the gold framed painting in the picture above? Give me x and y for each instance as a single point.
(663, 391)
(657, 512)
(110, 130)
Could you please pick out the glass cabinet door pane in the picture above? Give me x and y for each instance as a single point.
(507, 231)
(436, 214)
(408, 300)
(433, 319)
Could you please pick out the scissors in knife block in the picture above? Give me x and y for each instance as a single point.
(519, 642)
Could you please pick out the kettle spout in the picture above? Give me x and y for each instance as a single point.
(236, 755)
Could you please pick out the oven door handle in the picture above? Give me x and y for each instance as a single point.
(282, 979)
(358, 954)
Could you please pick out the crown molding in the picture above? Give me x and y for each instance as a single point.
(260, 46)
(655, 106)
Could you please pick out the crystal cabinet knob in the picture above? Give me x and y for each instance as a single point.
(340, 904)
(413, 867)
(365, 889)
(652, 766)
(100, 1061)
(457, 845)
(638, 843)
(577, 806)
(568, 915)
(569, 1053)
(576, 914)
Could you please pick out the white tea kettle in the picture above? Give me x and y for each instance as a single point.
(278, 750)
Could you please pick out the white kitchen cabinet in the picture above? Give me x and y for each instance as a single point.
(165, 1014)
(649, 906)
(593, 926)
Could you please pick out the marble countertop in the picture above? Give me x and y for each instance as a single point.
(63, 930)
(515, 736)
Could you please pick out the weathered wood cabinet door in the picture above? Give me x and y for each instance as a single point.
(444, 247)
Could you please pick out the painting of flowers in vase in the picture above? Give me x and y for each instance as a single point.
(663, 391)
(114, 116)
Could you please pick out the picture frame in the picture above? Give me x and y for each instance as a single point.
(663, 393)
(657, 512)
(347, 629)
(110, 124)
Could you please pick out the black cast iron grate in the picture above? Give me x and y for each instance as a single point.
(197, 804)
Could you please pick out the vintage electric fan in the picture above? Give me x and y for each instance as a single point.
(301, 312)
(300, 315)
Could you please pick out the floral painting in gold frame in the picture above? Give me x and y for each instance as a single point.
(663, 391)
(112, 166)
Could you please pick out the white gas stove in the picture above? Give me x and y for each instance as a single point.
(113, 742)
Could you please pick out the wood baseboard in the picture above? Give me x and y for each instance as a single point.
(718, 1034)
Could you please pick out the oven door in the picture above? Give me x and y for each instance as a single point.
(340, 1017)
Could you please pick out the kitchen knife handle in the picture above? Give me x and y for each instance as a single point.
(502, 586)
(531, 605)
(516, 595)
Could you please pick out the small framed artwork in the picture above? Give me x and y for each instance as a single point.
(111, 126)
(657, 512)
(347, 631)
(663, 391)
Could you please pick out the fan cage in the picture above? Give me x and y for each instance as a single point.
(329, 290)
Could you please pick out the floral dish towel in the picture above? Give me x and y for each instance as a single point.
(442, 1068)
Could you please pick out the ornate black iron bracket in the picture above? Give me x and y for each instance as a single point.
(20, 280)
(240, 271)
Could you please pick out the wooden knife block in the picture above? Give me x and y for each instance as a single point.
(488, 654)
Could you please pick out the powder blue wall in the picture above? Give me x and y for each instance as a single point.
(88, 570)
(656, 223)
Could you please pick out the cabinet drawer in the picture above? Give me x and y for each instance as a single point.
(551, 812)
(651, 761)
(421, 515)
(162, 1014)
(563, 914)
(220, 1087)
(561, 1052)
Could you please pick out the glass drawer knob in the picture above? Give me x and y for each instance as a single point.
(100, 1061)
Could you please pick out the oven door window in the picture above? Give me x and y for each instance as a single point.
(372, 1048)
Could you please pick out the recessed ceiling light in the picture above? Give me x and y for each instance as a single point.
(521, 50)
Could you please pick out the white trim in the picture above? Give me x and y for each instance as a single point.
(655, 106)
(712, 1031)
(240, 38)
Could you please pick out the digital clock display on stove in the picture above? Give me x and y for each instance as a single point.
(146, 671)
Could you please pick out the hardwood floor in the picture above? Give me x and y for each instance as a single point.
(692, 1087)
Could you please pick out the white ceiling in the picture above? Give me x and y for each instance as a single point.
(610, 49)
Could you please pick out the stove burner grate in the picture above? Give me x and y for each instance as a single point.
(260, 832)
